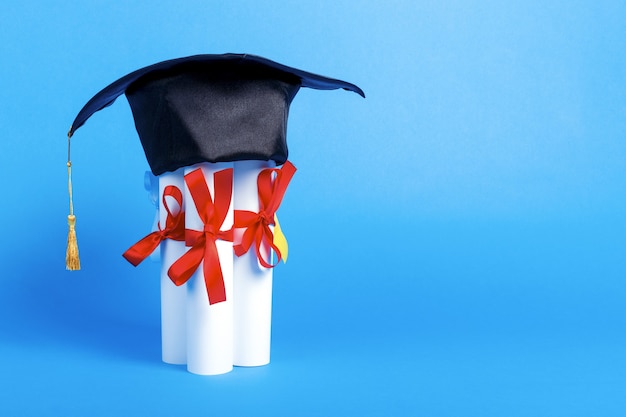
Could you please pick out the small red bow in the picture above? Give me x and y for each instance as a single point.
(202, 243)
(257, 225)
(174, 229)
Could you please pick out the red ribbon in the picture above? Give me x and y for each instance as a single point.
(174, 229)
(258, 224)
(202, 243)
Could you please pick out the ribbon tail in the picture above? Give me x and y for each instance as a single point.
(213, 276)
(142, 249)
(186, 265)
(262, 238)
(246, 240)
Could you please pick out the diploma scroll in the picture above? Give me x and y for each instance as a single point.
(252, 282)
(173, 298)
(209, 326)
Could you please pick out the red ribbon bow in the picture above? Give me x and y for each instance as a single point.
(258, 224)
(174, 229)
(202, 243)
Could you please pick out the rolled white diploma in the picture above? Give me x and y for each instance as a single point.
(209, 327)
(173, 298)
(252, 283)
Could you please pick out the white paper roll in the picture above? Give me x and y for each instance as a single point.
(209, 327)
(173, 298)
(252, 283)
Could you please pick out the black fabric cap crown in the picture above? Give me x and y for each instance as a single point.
(210, 108)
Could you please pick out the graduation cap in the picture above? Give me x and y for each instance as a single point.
(205, 108)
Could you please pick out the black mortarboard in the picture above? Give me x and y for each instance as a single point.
(210, 108)
(206, 108)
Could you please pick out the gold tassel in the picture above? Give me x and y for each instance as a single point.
(72, 261)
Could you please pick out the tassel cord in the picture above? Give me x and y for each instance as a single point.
(72, 260)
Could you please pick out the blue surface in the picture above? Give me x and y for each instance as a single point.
(473, 267)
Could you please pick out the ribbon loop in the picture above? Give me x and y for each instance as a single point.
(174, 229)
(272, 184)
(203, 243)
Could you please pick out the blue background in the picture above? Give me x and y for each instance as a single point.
(457, 238)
